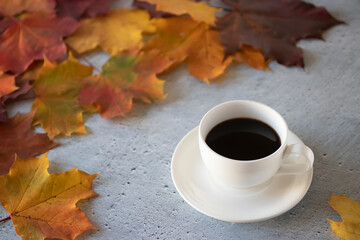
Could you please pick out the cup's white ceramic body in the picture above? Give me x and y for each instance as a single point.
(245, 174)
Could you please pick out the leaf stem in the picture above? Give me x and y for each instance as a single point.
(5, 219)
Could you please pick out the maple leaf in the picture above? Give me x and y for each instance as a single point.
(56, 89)
(206, 56)
(121, 80)
(43, 205)
(13, 7)
(82, 8)
(117, 31)
(199, 11)
(18, 138)
(180, 38)
(349, 210)
(273, 26)
(34, 37)
(7, 84)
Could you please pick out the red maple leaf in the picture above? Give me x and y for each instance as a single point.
(273, 26)
(36, 36)
(18, 138)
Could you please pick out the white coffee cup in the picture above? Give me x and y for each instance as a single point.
(250, 173)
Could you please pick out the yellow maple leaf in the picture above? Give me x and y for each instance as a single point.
(56, 88)
(199, 11)
(43, 205)
(114, 32)
(349, 210)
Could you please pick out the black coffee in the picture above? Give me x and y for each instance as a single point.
(243, 139)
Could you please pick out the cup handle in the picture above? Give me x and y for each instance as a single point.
(297, 168)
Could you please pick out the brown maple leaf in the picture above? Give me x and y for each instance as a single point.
(43, 205)
(273, 26)
(17, 137)
(82, 8)
(34, 37)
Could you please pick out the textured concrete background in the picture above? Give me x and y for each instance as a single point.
(133, 154)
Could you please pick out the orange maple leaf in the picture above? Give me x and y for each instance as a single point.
(199, 11)
(124, 77)
(34, 37)
(349, 210)
(114, 32)
(17, 6)
(56, 89)
(43, 205)
(179, 38)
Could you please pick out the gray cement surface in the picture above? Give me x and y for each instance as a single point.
(133, 154)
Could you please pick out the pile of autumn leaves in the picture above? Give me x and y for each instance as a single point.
(38, 42)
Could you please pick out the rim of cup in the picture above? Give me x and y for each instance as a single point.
(283, 141)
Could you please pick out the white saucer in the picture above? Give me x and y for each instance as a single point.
(197, 188)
